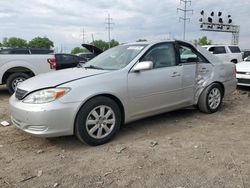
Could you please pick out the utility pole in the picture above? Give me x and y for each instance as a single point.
(92, 35)
(83, 35)
(184, 18)
(109, 23)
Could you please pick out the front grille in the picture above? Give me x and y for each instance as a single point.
(243, 73)
(243, 81)
(240, 73)
(20, 93)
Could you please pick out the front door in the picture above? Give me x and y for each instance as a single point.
(158, 89)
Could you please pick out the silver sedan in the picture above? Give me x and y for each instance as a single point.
(123, 84)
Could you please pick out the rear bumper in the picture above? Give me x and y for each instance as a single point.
(243, 79)
(230, 86)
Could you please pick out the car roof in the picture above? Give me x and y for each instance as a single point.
(218, 45)
(148, 42)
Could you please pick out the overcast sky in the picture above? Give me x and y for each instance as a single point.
(62, 21)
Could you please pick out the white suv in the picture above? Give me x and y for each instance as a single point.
(229, 53)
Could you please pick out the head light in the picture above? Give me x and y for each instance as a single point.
(45, 95)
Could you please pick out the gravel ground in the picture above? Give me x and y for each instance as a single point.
(181, 149)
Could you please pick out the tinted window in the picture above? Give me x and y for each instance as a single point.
(5, 51)
(246, 54)
(41, 51)
(218, 50)
(20, 51)
(234, 49)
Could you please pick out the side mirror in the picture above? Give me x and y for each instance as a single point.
(142, 66)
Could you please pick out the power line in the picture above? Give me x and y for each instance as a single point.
(184, 18)
(109, 24)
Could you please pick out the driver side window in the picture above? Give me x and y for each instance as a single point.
(162, 55)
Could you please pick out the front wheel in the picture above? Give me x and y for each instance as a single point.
(98, 121)
(211, 98)
(15, 79)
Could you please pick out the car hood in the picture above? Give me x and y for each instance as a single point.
(53, 79)
(93, 49)
(243, 67)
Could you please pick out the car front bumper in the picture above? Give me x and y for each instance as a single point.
(243, 79)
(44, 120)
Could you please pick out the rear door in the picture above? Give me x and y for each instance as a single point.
(196, 69)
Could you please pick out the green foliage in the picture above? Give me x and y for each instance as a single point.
(113, 43)
(41, 42)
(141, 40)
(203, 41)
(14, 42)
(105, 45)
(77, 50)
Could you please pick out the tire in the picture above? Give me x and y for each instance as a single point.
(14, 79)
(210, 99)
(234, 61)
(94, 127)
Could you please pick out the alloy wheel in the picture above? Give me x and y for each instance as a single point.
(100, 122)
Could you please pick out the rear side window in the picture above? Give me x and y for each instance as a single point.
(217, 50)
(4, 51)
(187, 55)
(40, 51)
(234, 49)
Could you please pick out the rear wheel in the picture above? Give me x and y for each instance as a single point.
(211, 98)
(98, 121)
(234, 61)
(15, 79)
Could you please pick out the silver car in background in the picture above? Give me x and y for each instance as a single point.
(123, 84)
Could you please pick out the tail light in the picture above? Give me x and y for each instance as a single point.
(52, 63)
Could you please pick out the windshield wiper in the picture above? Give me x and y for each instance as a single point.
(93, 67)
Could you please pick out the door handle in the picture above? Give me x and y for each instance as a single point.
(175, 74)
(203, 70)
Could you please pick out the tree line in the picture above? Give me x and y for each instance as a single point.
(44, 42)
(37, 42)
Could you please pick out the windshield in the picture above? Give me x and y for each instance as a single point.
(115, 58)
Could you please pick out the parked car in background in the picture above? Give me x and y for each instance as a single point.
(15, 68)
(86, 55)
(63, 61)
(243, 72)
(26, 51)
(122, 84)
(227, 53)
(93, 51)
(245, 54)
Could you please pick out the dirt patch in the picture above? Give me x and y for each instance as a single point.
(184, 148)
